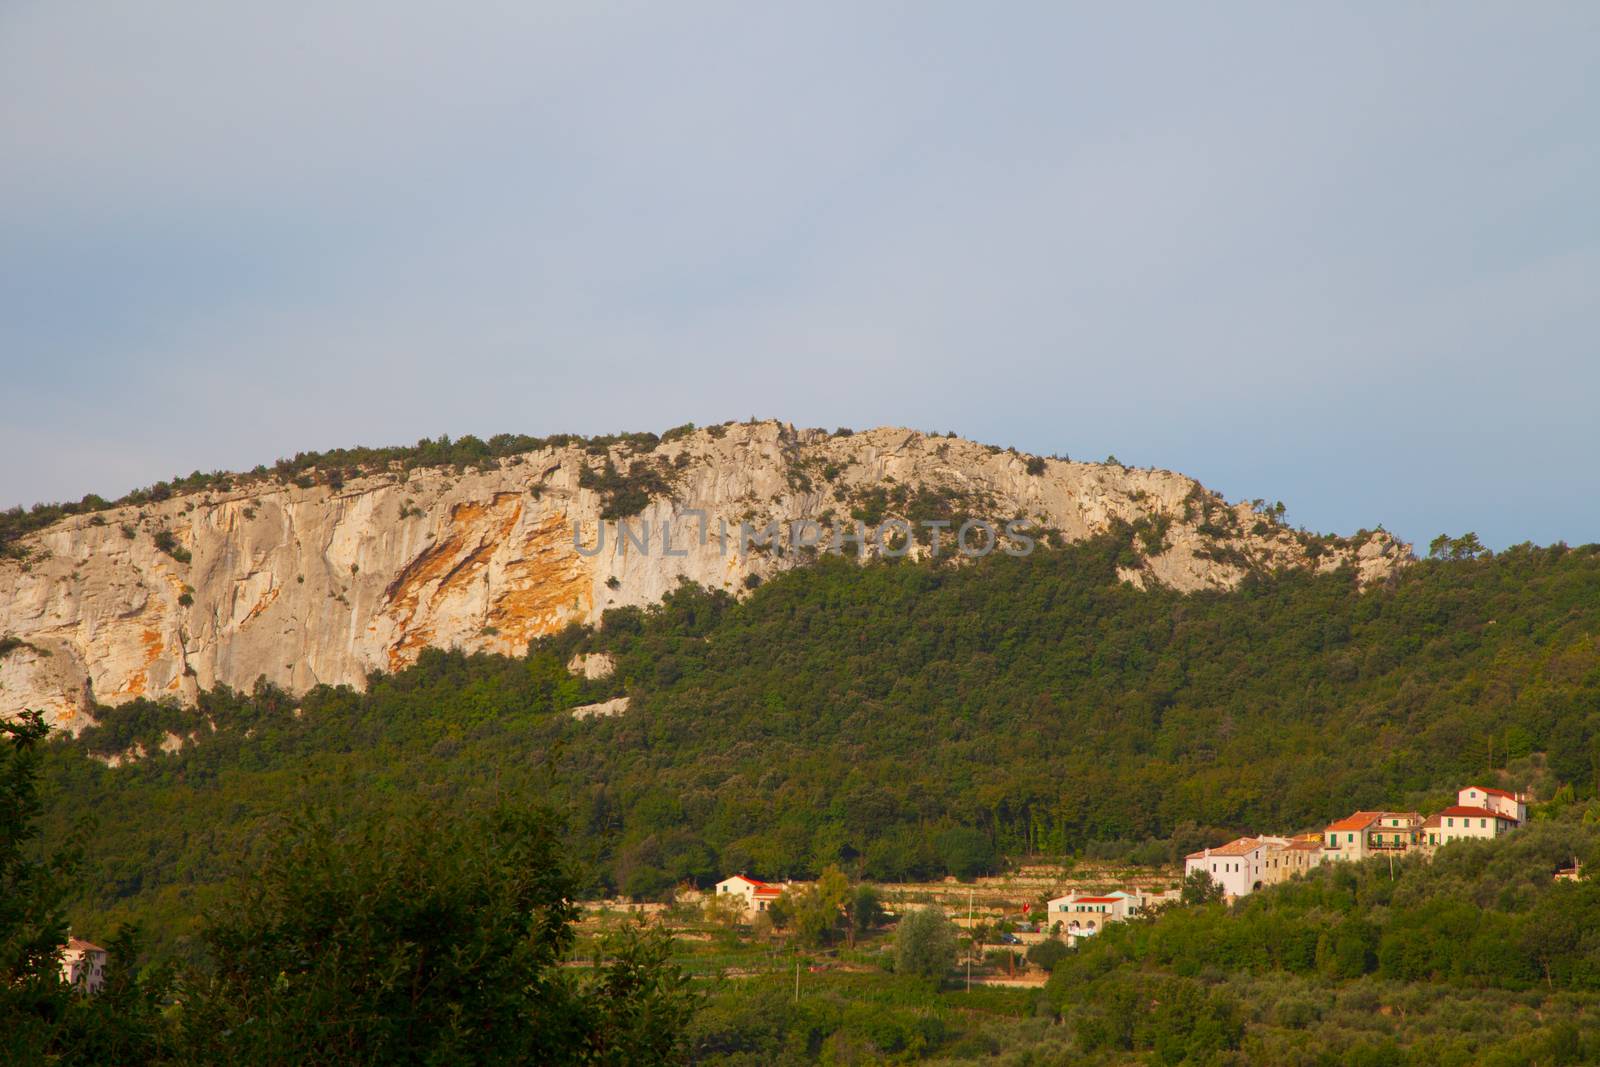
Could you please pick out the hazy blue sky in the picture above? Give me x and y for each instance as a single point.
(1343, 255)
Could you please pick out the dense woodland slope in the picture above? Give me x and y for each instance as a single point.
(901, 719)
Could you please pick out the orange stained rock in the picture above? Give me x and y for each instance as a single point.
(476, 531)
(153, 646)
(546, 586)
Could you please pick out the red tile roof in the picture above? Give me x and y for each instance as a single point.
(1493, 792)
(752, 881)
(1095, 900)
(1475, 813)
(83, 946)
(1237, 847)
(1359, 821)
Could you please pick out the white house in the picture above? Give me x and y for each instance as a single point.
(83, 964)
(1513, 806)
(756, 896)
(1238, 867)
(1463, 822)
(1083, 914)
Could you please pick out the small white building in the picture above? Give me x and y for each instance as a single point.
(1513, 806)
(1084, 914)
(83, 964)
(1462, 823)
(756, 896)
(1239, 867)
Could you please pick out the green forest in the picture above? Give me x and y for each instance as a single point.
(897, 719)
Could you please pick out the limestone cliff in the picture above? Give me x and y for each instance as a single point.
(324, 584)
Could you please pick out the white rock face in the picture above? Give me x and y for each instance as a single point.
(602, 710)
(592, 666)
(307, 586)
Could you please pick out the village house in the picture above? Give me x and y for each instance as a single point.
(83, 964)
(1249, 863)
(1512, 805)
(1463, 822)
(1283, 862)
(1237, 866)
(1347, 838)
(1395, 831)
(755, 896)
(1083, 914)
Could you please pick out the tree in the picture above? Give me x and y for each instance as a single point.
(423, 941)
(866, 910)
(123, 1022)
(1198, 888)
(33, 924)
(41, 1017)
(925, 944)
(817, 911)
(1045, 954)
(1467, 546)
(966, 852)
(725, 909)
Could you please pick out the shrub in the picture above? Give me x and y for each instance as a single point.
(1045, 954)
(167, 542)
(925, 944)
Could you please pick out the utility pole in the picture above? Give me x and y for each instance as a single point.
(797, 975)
(972, 940)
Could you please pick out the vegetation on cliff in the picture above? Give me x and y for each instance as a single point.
(331, 467)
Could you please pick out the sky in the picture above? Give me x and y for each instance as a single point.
(1342, 256)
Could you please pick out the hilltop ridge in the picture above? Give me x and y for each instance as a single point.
(321, 574)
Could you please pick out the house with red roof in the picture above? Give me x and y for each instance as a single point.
(1239, 867)
(1347, 837)
(756, 896)
(1372, 833)
(1464, 822)
(1084, 914)
(1283, 862)
(1512, 805)
(83, 964)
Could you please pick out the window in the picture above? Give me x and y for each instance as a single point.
(1449, 822)
(1482, 823)
(1350, 839)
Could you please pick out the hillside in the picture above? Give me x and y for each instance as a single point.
(900, 719)
(329, 567)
